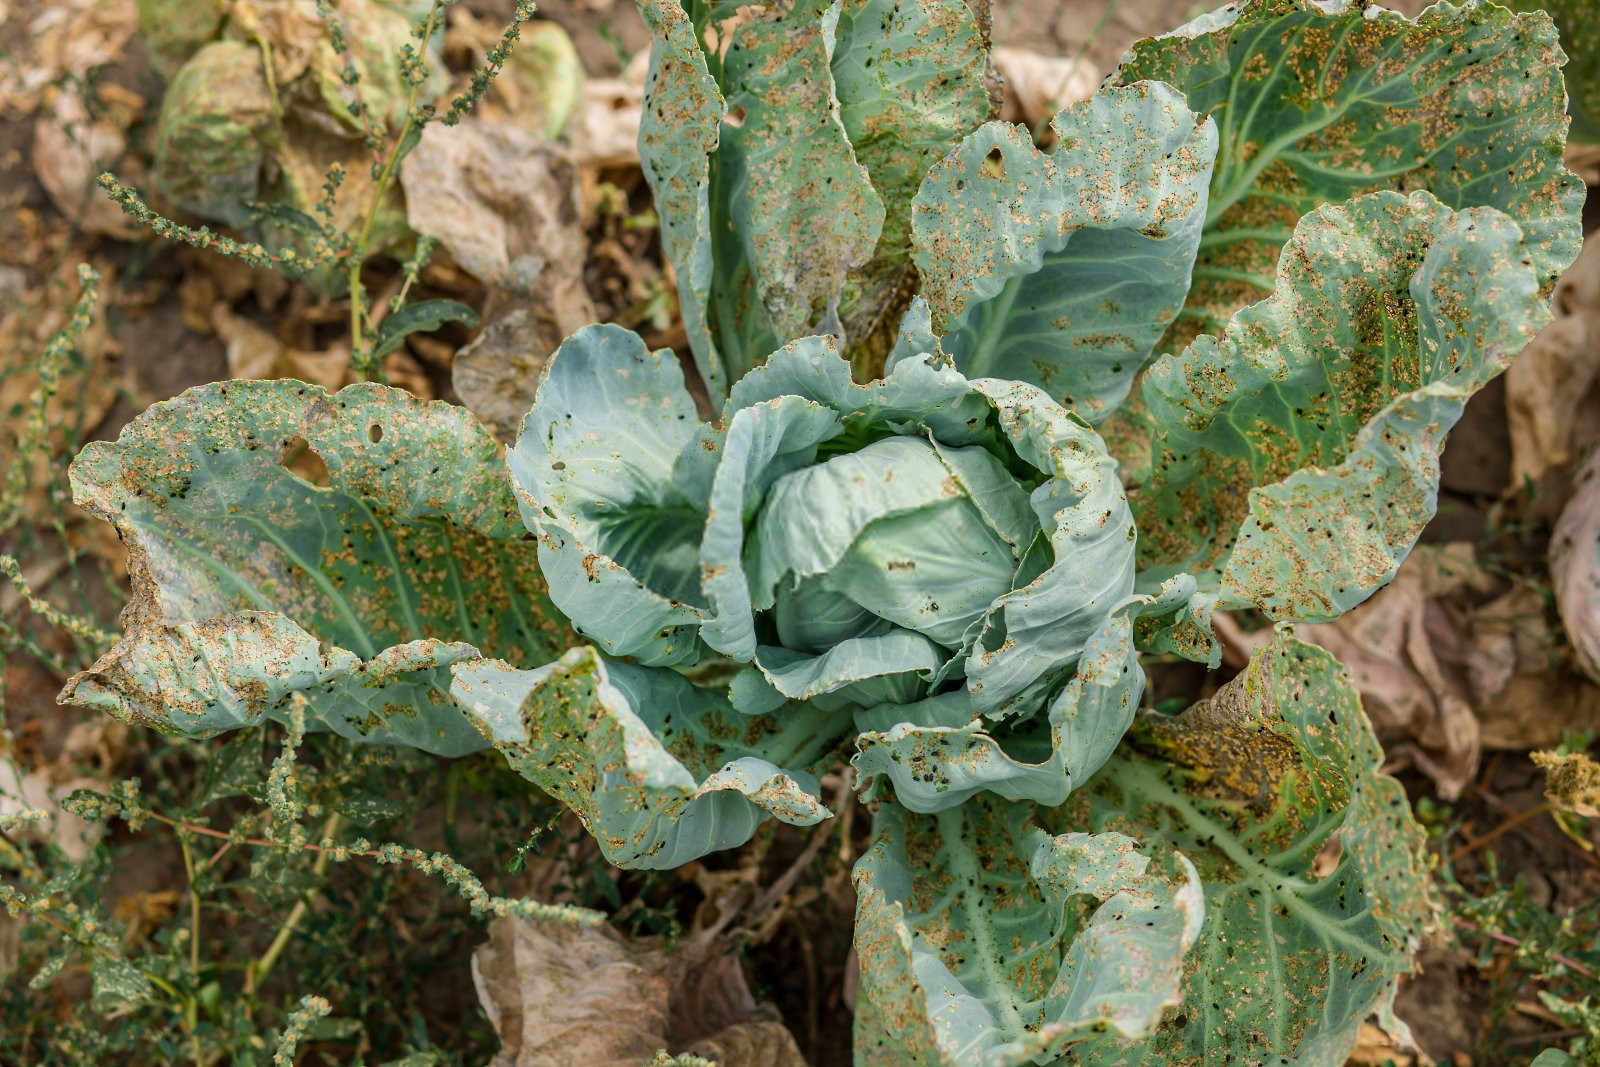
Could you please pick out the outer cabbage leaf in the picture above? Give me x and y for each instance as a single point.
(1317, 102)
(1065, 268)
(784, 146)
(911, 80)
(660, 771)
(1580, 39)
(619, 526)
(1296, 457)
(792, 211)
(1315, 874)
(252, 585)
(677, 133)
(984, 942)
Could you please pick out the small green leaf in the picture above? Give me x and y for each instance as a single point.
(118, 984)
(420, 317)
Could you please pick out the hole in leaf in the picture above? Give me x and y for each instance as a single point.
(1327, 859)
(301, 460)
(994, 164)
(375, 432)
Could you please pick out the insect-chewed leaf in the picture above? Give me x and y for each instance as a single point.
(984, 941)
(1580, 40)
(660, 771)
(1316, 103)
(251, 584)
(910, 79)
(1315, 872)
(792, 210)
(1296, 457)
(1064, 269)
(939, 752)
(677, 133)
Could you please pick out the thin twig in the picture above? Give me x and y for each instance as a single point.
(1468, 847)
(1507, 939)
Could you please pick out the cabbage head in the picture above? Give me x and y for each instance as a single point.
(921, 538)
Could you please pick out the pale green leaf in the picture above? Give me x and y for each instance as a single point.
(893, 527)
(1065, 268)
(677, 133)
(1317, 102)
(1042, 626)
(594, 471)
(1315, 873)
(660, 771)
(940, 752)
(910, 77)
(792, 210)
(763, 442)
(1580, 40)
(1297, 456)
(984, 942)
(251, 585)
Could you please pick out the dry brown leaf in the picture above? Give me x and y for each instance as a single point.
(767, 1044)
(506, 207)
(145, 911)
(293, 29)
(1037, 86)
(1585, 160)
(1539, 697)
(1376, 1048)
(560, 995)
(35, 796)
(1575, 566)
(62, 39)
(1572, 782)
(496, 375)
(71, 148)
(1552, 399)
(604, 131)
(254, 352)
(501, 201)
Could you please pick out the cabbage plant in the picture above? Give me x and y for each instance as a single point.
(993, 425)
